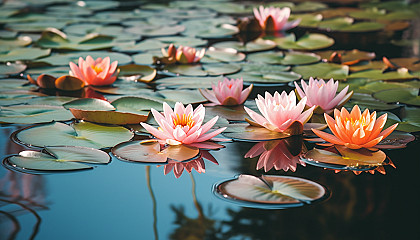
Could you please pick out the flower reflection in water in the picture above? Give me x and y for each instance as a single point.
(280, 154)
(197, 164)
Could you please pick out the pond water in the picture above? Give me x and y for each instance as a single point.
(130, 200)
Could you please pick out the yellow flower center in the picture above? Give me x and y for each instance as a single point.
(97, 69)
(183, 120)
(357, 122)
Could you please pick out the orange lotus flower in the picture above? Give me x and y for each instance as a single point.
(355, 130)
(97, 72)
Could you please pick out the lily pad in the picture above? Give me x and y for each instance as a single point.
(409, 122)
(11, 68)
(82, 134)
(202, 69)
(214, 55)
(347, 57)
(60, 158)
(322, 70)
(136, 72)
(400, 74)
(309, 41)
(65, 58)
(271, 191)
(403, 95)
(346, 24)
(11, 84)
(24, 54)
(54, 38)
(89, 104)
(367, 101)
(29, 114)
(246, 132)
(154, 31)
(151, 152)
(9, 44)
(183, 82)
(256, 45)
(343, 158)
(183, 96)
(17, 97)
(288, 58)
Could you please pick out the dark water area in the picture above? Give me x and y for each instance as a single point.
(125, 200)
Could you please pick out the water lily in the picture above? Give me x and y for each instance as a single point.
(323, 94)
(97, 72)
(182, 125)
(355, 130)
(279, 111)
(275, 154)
(273, 19)
(228, 93)
(183, 54)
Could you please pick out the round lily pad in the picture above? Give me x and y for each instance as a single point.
(256, 45)
(246, 132)
(11, 68)
(151, 152)
(187, 82)
(309, 41)
(24, 54)
(29, 114)
(403, 95)
(408, 122)
(322, 70)
(65, 58)
(83, 134)
(270, 191)
(60, 158)
(343, 158)
(222, 55)
(136, 72)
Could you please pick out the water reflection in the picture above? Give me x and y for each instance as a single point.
(197, 164)
(20, 194)
(280, 154)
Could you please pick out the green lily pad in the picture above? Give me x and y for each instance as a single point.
(400, 74)
(310, 20)
(9, 44)
(322, 70)
(28, 114)
(50, 100)
(54, 38)
(181, 40)
(214, 55)
(136, 104)
(82, 134)
(409, 122)
(256, 45)
(246, 132)
(183, 96)
(11, 84)
(202, 69)
(311, 41)
(348, 57)
(62, 59)
(279, 78)
(381, 14)
(151, 152)
(89, 104)
(367, 101)
(346, 24)
(143, 58)
(37, 26)
(16, 97)
(24, 54)
(343, 158)
(134, 72)
(271, 191)
(403, 95)
(153, 31)
(64, 158)
(231, 113)
(11, 68)
(288, 58)
(309, 7)
(187, 82)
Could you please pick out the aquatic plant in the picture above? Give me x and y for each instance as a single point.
(97, 72)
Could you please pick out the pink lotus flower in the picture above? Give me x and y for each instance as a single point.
(279, 111)
(274, 154)
(97, 72)
(182, 125)
(273, 19)
(183, 54)
(228, 93)
(197, 164)
(355, 130)
(323, 94)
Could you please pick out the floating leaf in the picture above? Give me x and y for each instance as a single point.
(184, 96)
(409, 122)
(12, 68)
(64, 58)
(400, 74)
(256, 45)
(222, 55)
(11, 84)
(403, 95)
(310, 41)
(9, 44)
(322, 70)
(61, 158)
(89, 104)
(271, 191)
(153, 31)
(136, 104)
(136, 72)
(232, 113)
(367, 101)
(396, 140)
(83, 134)
(348, 57)
(343, 158)
(54, 38)
(151, 152)
(29, 114)
(289, 58)
(16, 97)
(246, 132)
(346, 24)
(109, 117)
(24, 54)
(187, 82)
